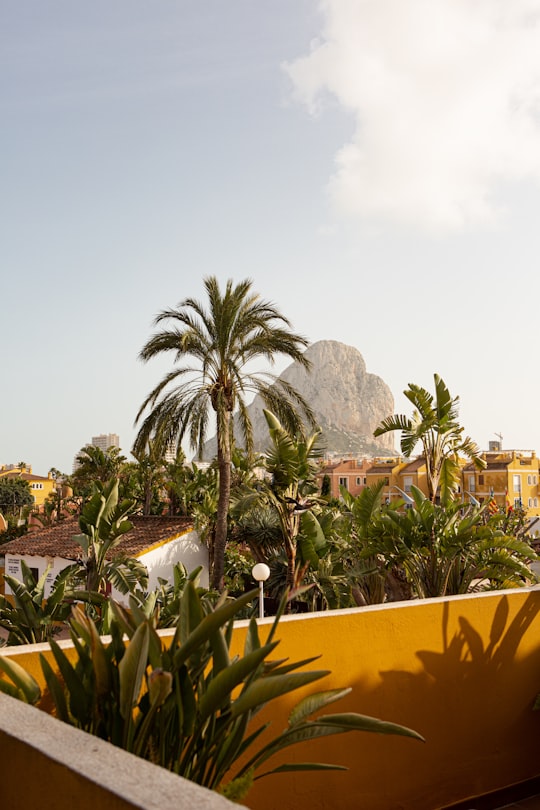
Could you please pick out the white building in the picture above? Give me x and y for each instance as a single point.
(158, 542)
(106, 440)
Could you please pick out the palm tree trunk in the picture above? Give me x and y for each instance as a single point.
(92, 574)
(290, 550)
(291, 525)
(220, 541)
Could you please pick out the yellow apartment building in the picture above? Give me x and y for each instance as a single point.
(40, 486)
(511, 478)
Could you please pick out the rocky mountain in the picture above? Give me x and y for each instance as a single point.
(348, 402)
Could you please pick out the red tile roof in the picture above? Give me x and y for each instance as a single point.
(380, 469)
(25, 476)
(413, 466)
(57, 541)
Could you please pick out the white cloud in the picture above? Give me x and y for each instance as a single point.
(445, 96)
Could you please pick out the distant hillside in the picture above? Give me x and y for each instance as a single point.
(348, 402)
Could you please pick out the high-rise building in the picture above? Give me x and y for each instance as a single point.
(106, 440)
(103, 442)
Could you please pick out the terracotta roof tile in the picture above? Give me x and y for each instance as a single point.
(413, 466)
(57, 541)
(380, 469)
(25, 476)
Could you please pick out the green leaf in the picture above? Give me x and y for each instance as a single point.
(265, 689)
(302, 766)
(55, 688)
(314, 703)
(27, 685)
(10, 689)
(252, 641)
(191, 613)
(220, 687)
(361, 722)
(188, 705)
(132, 668)
(212, 622)
(79, 699)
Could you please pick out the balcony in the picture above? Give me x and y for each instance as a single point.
(463, 671)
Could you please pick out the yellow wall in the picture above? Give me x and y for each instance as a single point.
(463, 671)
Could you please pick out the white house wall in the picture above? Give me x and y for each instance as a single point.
(13, 568)
(186, 549)
(159, 561)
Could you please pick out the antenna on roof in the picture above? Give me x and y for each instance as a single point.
(500, 437)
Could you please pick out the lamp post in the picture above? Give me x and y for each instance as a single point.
(260, 573)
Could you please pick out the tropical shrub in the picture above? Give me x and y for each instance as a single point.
(28, 616)
(434, 425)
(103, 521)
(450, 549)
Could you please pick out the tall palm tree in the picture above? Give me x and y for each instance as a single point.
(434, 423)
(214, 347)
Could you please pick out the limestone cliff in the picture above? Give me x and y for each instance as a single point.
(348, 402)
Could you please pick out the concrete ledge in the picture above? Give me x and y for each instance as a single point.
(47, 764)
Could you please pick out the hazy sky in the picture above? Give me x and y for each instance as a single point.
(372, 165)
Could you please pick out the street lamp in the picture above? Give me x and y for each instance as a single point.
(260, 573)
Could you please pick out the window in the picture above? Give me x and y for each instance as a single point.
(35, 573)
(517, 503)
(37, 486)
(472, 483)
(407, 483)
(517, 482)
(535, 502)
(529, 481)
(344, 482)
(358, 482)
(530, 502)
(534, 480)
(481, 480)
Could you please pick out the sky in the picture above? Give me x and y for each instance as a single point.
(372, 165)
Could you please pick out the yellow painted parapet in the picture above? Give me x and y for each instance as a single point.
(462, 671)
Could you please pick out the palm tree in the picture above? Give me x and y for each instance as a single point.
(435, 425)
(147, 479)
(95, 465)
(290, 494)
(215, 347)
